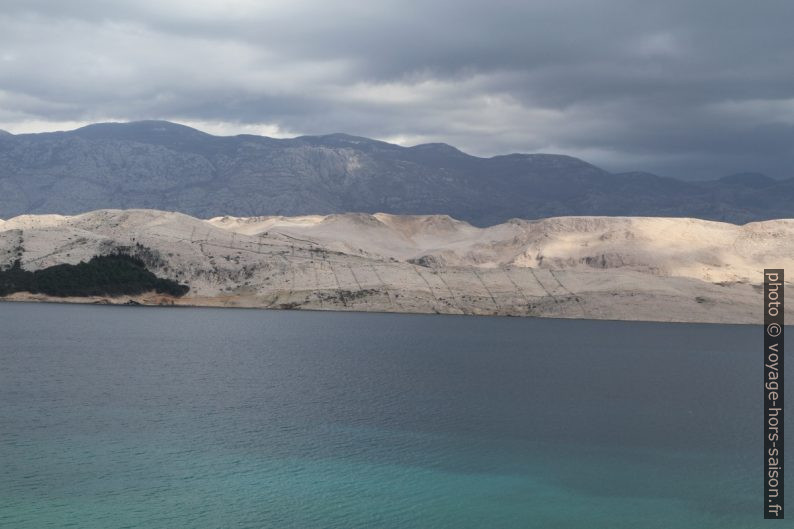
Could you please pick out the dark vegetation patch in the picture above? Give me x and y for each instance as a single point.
(108, 275)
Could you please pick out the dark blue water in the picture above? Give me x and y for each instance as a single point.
(156, 417)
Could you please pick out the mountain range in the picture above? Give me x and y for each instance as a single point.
(167, 166)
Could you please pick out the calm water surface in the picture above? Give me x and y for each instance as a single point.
(166, 418)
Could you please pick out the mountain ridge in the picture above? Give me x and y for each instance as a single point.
(168, 166)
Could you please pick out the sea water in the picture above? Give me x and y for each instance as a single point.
(146, 417)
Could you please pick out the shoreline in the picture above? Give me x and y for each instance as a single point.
(131, 301)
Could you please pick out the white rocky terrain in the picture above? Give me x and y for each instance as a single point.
(629, 268)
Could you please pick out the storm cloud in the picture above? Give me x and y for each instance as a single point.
(681, 88)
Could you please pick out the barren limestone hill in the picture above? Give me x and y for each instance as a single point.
(633, 268)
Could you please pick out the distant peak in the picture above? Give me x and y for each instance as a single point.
(539, 156)
(340, 139)
(149, 126)
(336, 137)
(443, 148)
(342, 136)
(548, 161)
(165, 133)
(5, 133)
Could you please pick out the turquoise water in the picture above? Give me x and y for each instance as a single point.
(163, 418)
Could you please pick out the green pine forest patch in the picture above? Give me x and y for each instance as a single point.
(107, 275)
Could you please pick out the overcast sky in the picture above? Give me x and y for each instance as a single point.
(686, 88)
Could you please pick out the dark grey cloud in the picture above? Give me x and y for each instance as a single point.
(689, 89)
